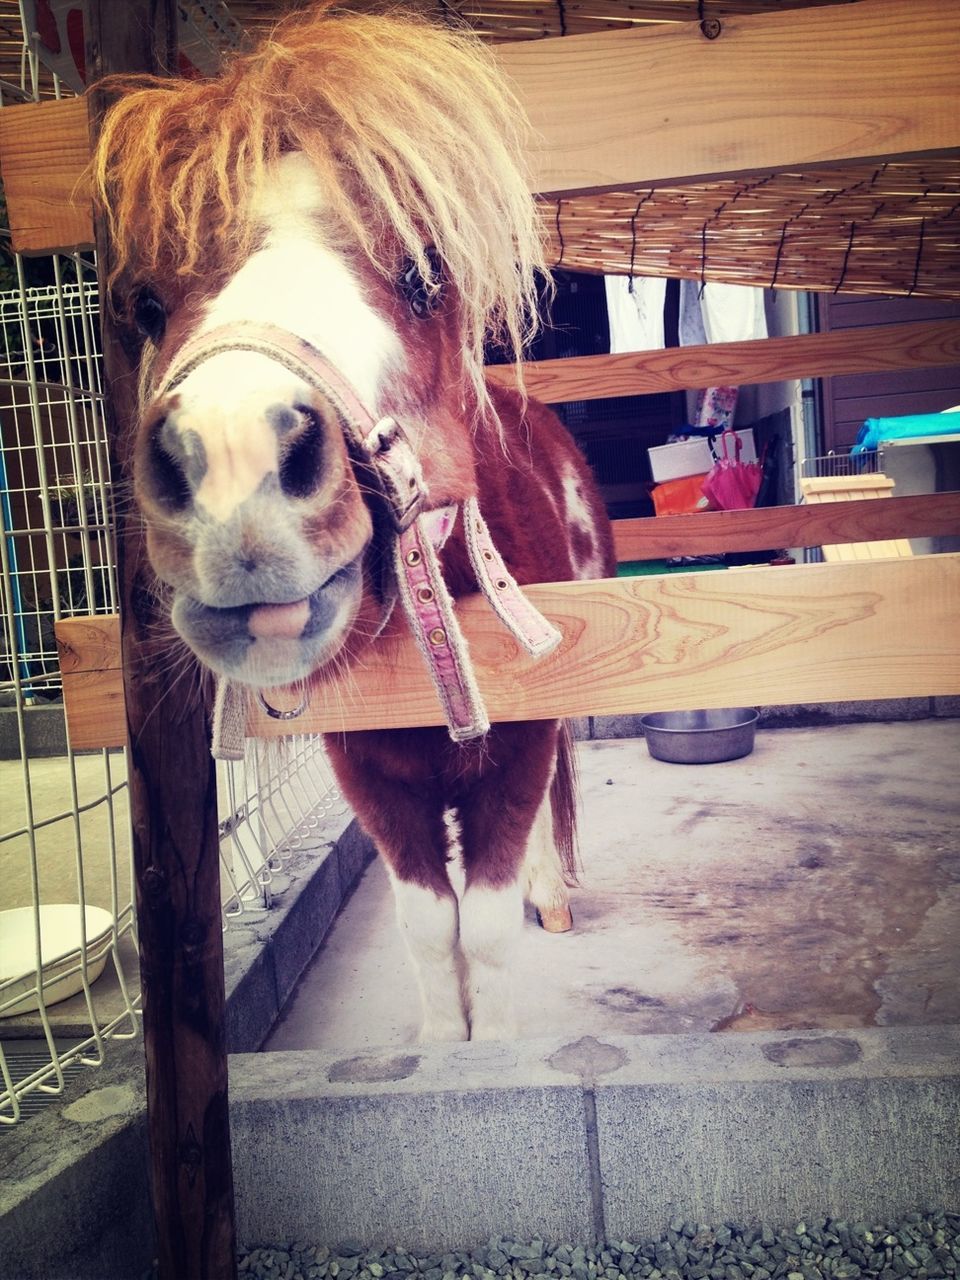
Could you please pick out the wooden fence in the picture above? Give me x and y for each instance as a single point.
(775, 634)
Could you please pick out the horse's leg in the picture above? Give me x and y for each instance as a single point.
(428, 919)
(543, 882)
(490, 920)
(495, 823)
(410, 834)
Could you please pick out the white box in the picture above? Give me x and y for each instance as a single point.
(693, 457)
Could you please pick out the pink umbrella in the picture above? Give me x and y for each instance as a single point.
(732, 485)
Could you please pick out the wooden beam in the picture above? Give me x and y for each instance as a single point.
(927, 344)
(876, 629)
(173, 806)
(776, 91)
(620, 109)
(710, 532)
(44, 150)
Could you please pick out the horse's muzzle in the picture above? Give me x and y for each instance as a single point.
(272, 643)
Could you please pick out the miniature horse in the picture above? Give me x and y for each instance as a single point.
(353, 191)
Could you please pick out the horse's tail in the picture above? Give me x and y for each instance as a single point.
(563, 804)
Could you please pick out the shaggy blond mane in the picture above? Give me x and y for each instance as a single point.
(409, 126)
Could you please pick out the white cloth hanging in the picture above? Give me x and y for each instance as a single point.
(718, 312)
(724, 313)
(636, 318)
(732, 312)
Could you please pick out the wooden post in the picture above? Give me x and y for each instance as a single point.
(173, 800)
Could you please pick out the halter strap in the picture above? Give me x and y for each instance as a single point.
(380, 444)
(382, 447)
(430, 613)
(525, 623)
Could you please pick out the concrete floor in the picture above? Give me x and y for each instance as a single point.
(814, 884)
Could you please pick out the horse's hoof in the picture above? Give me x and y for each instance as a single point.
(555, 920)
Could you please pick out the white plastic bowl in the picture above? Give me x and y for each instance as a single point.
(62, 934)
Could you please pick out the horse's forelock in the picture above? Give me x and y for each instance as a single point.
(409, 126)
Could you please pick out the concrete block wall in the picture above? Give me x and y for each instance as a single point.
(265, 953)
(445, 1146)
(74, 1187)
(44, 730)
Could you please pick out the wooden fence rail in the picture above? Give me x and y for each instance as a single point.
(862, 520)
(811, 633)
(762, 97)
(925, 344)
(801, 633)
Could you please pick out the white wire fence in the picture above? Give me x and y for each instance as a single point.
(54, 470)
(68, 965)
(65, 882)
(275, 801)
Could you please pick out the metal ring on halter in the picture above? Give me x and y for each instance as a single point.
(283, 715)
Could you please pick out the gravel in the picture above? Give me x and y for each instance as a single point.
(922, 1246)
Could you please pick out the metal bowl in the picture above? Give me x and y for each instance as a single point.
(700, 737)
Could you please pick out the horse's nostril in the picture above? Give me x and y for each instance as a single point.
(301, 463)
(167, 478)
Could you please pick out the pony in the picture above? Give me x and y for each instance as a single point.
(312, 253)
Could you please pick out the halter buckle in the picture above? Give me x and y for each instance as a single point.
(389, 455)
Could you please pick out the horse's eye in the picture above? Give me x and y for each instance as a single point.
(423, 298)
(149, 314)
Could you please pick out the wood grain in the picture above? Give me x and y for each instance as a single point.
(173, 804)
(777, 91)
(93, 702)
(878, 629)
(830, 490)
(620, 109)
(44, 149)
(83, 645)
(712, 532)
(927, 344)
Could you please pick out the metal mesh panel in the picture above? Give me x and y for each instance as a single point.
(67, 921)
(54, 475)
(844, 463)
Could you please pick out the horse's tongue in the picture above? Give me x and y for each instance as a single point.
(283, 621)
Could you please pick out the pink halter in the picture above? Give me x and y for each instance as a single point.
(382, 446)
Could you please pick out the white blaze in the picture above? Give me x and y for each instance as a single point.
(223, 402)
(297, 283)
(294, 281)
